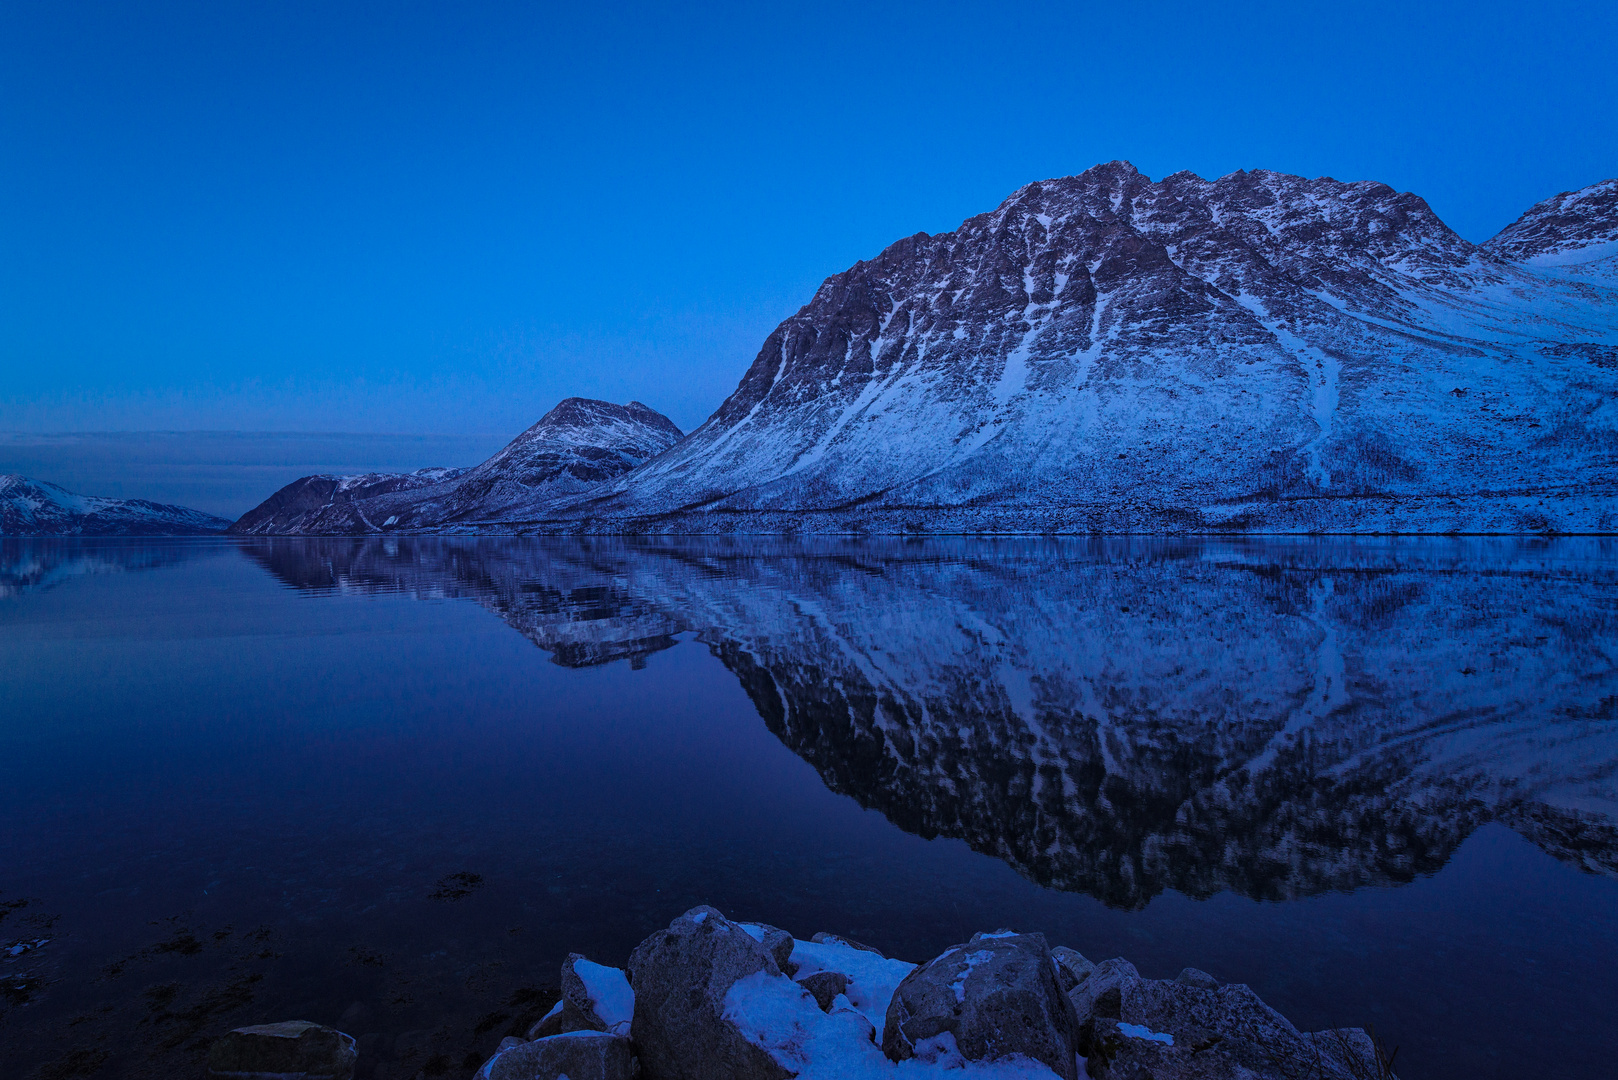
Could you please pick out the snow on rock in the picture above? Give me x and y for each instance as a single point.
(872, 976)
(603, 992)
(36, 508)
(710, 1003)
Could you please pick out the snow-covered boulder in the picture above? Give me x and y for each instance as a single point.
(995, 997)
(576, 1055)
(682, 978)
(594, 998)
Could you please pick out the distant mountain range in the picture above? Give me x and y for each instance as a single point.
(35, 508)
(1105, 353)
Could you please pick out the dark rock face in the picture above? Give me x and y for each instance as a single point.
(1188, 1030)
(1104, 352)
(995, 997)
(35, 508)
(681, 976)
(580, 1055)
(825, 985)
(331, 504)
(570, 452)
(295, 1050)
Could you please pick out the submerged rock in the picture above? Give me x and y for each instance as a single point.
(576, 1055)
(294, 1050)
(681, 977)
(994, 997)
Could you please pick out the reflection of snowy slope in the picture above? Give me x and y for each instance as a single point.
(1119, 718)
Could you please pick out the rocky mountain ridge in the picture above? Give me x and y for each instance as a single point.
(37, 508)
(1108, 353)
(575, 448)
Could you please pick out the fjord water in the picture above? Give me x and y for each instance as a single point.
(389, 784)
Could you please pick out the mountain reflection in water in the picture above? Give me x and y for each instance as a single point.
(1277, 718)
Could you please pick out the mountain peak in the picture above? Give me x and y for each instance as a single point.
(1575, 227)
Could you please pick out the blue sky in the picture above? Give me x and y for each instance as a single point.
(443, 218)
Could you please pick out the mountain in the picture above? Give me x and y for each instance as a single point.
(1104, 352)
(573, 449)
(332, 504)
(1573, 235)
(36, 508)
(1118, 717)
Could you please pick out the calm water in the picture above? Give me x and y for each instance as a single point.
(389, 784)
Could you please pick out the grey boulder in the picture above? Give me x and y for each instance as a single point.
(576, 1055)
(994, 997)
(680, 977)
(1130, 1028)
(294, 1050)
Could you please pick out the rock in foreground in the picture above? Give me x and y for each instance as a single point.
(713, 999)
(996, 996)
(294, 1050)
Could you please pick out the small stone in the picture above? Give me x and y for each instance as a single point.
(1195, 977)
(825, 985)
(824, 938)
(294, 1050)
(1071, 966)
(577, 1055)
(509, 1041)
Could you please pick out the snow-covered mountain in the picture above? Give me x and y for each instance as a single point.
(1105, 352)
(332, 504)
(1274, 718)
(36, 508)
(1573, 235)
(573, 449)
